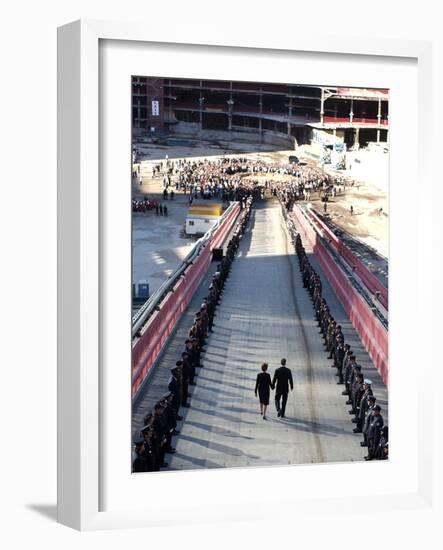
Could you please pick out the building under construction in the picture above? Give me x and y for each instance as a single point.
(266, 112)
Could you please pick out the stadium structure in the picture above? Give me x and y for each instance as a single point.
(285, 114)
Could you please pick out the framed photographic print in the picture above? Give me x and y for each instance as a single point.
(230, 214)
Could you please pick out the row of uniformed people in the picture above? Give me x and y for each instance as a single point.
(161, 424)
(366, 414)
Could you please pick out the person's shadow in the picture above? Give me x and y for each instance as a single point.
(48, 511)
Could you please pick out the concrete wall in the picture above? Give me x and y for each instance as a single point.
(326, 137)
(192, 129)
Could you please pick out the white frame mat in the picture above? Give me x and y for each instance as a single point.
(95, 487)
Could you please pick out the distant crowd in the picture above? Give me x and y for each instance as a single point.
(223, 177)
(228, 179)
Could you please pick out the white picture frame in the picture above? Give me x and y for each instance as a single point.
(84, 209)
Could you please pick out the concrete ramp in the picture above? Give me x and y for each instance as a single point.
(266, 314)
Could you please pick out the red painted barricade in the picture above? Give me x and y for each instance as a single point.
(368, 278)
(147, 348)
(355, 120)
(373, 334)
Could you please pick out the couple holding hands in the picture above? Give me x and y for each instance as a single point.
(281, 382)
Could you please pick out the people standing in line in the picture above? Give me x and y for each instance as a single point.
(357, 392)
(362, 406)
(281, 382)
(184, 383)
(371, 404)
(175, 388)
(141, 462)
(187, 367)
(152, 452)
(366, 414)
(164, 414)
(350, 366)
(355, 378)
(343, 355)
(382, 450)
(188, 358)
(168, 399)
(263, 387)
(373, 433)
(159, 434)
(160, 425)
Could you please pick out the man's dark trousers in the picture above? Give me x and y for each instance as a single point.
(284, 399)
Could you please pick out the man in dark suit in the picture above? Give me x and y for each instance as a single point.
(374, 431)
(174, 388)
(281, 382)
(141, 463)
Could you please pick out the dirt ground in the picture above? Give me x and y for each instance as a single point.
(367, 222)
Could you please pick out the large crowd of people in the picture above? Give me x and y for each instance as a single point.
(227, 178)
(222, 178)
(160, 424)
(236, 179)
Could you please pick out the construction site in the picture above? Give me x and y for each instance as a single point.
(285, 163)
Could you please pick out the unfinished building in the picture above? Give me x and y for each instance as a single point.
(259, 111)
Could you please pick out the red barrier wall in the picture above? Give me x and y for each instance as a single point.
(147, 348)
(373, 334)
(368, 278)
(355, 120)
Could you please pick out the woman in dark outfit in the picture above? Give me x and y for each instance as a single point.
(263, 386)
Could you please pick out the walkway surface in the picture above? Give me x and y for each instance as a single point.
(265, 314)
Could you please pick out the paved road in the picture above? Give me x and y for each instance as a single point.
(265, 314)
(157, 243)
